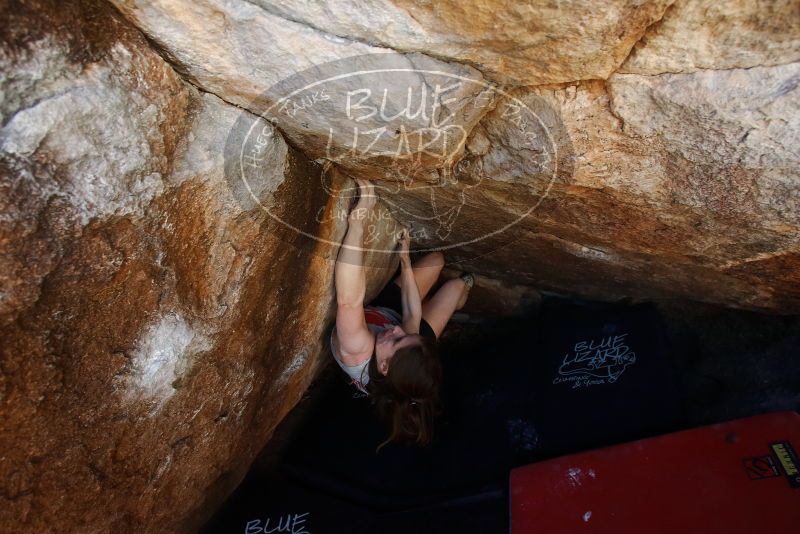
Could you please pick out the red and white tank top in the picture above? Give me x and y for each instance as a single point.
(378, 319)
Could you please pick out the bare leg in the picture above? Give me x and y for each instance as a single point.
(440, 307)
(426, 272)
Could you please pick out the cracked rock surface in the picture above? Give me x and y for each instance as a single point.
(158, 317)
(672, 179)
(154, 329)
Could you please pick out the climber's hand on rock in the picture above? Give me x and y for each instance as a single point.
(366, 201)
(405, 244)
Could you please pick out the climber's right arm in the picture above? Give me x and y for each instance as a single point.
(355, 339)
(410, 299)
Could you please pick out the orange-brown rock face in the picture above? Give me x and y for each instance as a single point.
(648, 199)
(154, 329)
(511, 42)
(673, 173)
(167, 254)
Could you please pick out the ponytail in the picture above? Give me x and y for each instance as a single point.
(407, 397)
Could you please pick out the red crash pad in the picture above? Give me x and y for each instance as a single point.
(735, 477)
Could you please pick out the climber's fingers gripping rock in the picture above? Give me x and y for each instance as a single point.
(366, 201)
(404, 242)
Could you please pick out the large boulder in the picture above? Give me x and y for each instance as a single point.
(155, 325)
(510, 42)
(176, 177)
(675, 185)
(642, 184)
(533, 43)
(725, 34)
(273, 67)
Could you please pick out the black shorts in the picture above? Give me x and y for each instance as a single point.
(391, 296)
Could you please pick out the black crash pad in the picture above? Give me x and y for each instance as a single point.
(575, 376)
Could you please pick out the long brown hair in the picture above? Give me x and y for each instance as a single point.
(407, 397)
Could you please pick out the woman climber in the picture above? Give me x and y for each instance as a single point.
(389, 347)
